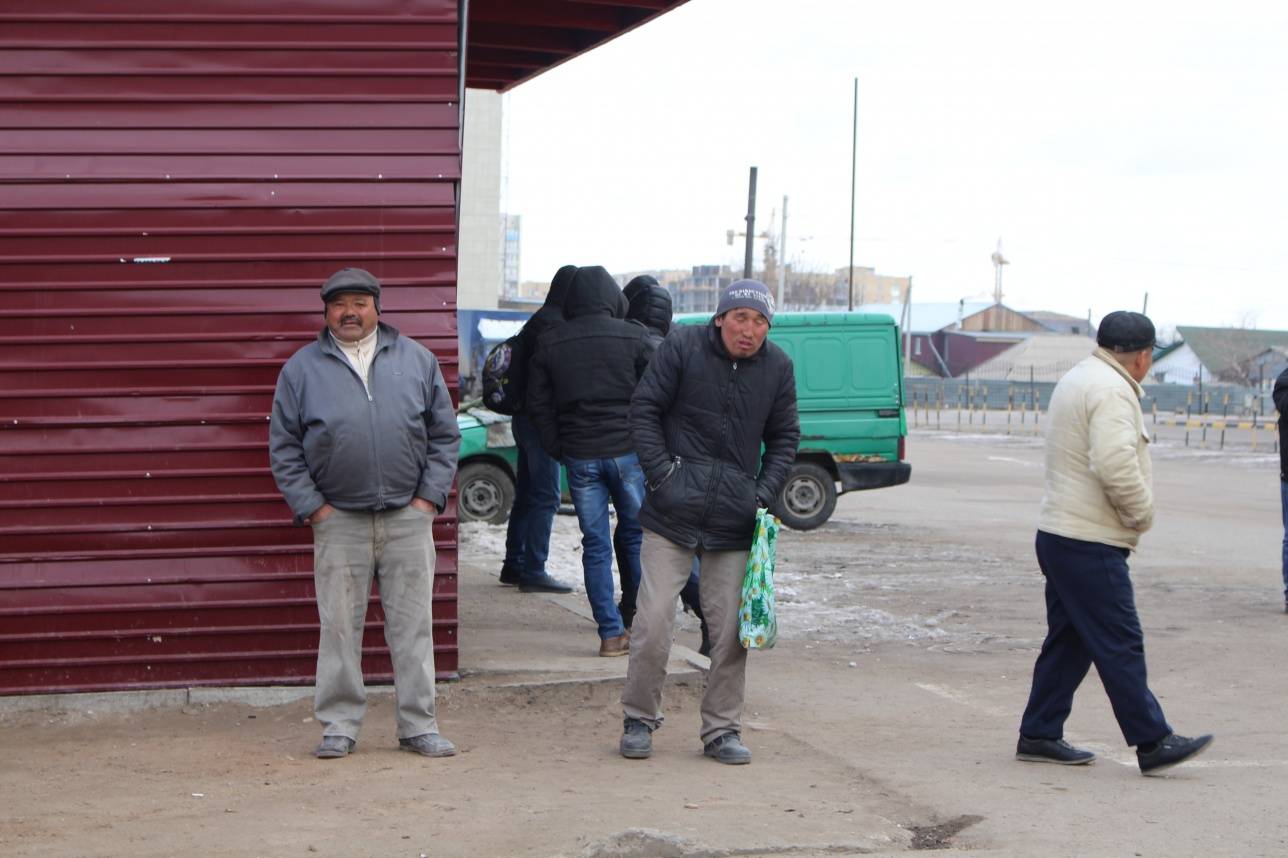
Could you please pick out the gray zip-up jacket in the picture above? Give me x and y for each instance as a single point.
(330, 441)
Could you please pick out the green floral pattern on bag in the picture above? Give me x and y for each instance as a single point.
(758, 622)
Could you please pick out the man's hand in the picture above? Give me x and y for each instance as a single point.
(424, 506)
(320, 514)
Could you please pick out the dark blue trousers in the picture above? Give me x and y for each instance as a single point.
(536, 500)
(1091, 618)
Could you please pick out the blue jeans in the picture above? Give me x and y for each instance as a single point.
(593, 482)
(1091, 618)
(1283, 499)
(536, 500)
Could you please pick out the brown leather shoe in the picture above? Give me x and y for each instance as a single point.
(620, 645)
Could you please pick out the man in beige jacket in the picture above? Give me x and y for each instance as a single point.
(1099, 499)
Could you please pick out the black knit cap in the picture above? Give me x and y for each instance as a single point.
(1125, 331)
(351, 280)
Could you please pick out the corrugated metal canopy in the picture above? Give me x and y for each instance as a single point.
(511, 41)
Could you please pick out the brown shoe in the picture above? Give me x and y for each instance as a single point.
(620, 645)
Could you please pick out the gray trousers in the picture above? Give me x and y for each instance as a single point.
(665, 569)
(396, 547)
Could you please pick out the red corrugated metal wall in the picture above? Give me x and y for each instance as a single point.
(176, 180)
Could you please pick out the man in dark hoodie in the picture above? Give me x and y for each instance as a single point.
(579, 394)
(649, 304)
(1280, 396)
(536, 488)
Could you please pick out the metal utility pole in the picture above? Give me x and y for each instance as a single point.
(854, 159)
(782, 256)
(1144, 310)
(751, 224)
(905, 322)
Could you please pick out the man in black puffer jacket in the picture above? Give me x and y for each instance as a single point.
(711, 396)
(579, 393)
(1280, 396)
(536, 484)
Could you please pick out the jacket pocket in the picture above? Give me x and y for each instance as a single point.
(669, 474)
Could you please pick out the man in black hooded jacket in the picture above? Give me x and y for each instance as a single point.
(710, 398)
(650, 305)
(579, 393)
(536, 485)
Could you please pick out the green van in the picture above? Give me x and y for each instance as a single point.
(849, 391)
(486, 465)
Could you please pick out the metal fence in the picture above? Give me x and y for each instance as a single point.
(1208, 416)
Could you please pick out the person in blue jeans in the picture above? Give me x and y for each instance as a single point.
(1280, 396)
(536, 485)
(580, 384)
(536, 500)
(593, 483)
(649, 304)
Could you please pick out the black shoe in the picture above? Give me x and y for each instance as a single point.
(509, 575)
(542, 584)
(1051, 751)
(1169, 751)
(334, 747)
(428, 745)
(728, 749)
(637, 740)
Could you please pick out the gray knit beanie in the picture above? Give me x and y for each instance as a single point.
(751, 294)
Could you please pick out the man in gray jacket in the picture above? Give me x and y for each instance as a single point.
(363, 445)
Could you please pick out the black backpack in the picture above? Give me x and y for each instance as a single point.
(505, 376)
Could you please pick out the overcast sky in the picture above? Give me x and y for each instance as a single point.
(1115, 148)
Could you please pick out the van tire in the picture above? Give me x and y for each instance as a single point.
(484, 492)
(808, 497)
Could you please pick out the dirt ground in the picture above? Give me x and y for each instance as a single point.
(883, 722)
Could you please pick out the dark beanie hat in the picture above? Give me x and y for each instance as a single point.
(1125, 331)
(351, 280)
(637, 285)
(751, 294)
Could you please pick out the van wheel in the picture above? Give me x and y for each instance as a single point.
(808, 498)
(484, 492)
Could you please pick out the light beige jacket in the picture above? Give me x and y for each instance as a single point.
(1099, 484)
